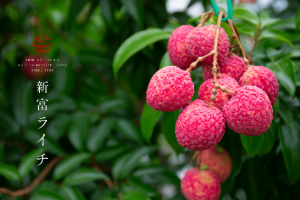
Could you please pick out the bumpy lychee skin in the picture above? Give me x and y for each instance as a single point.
(35, 66)
(263, 78)
(199, 127)
(176, 47)
(170, 89)
(205, 89)
(200, 185)
(200, 42)
(233, 66)
(217, 160)
(249, 111)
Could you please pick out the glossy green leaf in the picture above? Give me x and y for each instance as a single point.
(135, 9)
(78, 130)
(111, 152)
(49, 144)
(287, 115)
(10, 172)
(69, 163)
(135, 195)
(291, 148)
(148, 121)
(252, 144)
(128, 130)
(100, 133)
(22, 101)
(275, 34)
(168, 127)
(46, 195)
(125, 164)
(165, 61)
(246, 15)
(82, 176)
(73, 193)
(284, 71)
(28, 161)
(135, 43)
(269, 140)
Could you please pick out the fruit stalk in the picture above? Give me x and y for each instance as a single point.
(235, 36)
(215, 69)
(204, 19)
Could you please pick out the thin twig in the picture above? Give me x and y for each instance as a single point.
(235, 36)
(36, 181)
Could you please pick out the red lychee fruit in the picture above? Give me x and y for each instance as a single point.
(176, 47)
(233, 66)
(35, 67)
(263, 78)
(199, 127)
(249, 111)
(205, 89)
(200, 41)
(200, 185)
(217, 160)
(170, 89)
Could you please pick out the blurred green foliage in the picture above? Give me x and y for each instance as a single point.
(111, 142)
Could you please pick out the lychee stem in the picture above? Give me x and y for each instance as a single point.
(204, 19)
(236, 36)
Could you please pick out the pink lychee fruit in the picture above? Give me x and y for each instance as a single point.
(170, 89)
(249, 111)
(217, 160)
(233, 66)
(176, 47)
(35, 66)
(263, 78)
(200, 41)
(199, 127)
(205, 89)
(200, 185)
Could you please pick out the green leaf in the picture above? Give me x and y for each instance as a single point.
(100, 133)
(165, 61)
(125, 164)
(287, 115)
(49, 144)
(28, 161)
(111, 152)
(129, 130)
(284, 71)
(135, 195)
(10, 172)
(290, 148)
(135, 43)
(69, 163)
(246, 15)
(57, 126)
(22, 101)
(78, 130)
(252, 144)
(108, 12)
(73, 193)
(275, 34)
(84, 175)
(135, 9)
(148, 121)
(168, 127)
(46, 195)
(63, 79)
(269, 140)
(74, 9)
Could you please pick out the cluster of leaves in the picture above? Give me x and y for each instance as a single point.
(111, 142)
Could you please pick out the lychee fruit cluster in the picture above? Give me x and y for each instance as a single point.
(233, 93)
(241, 96)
